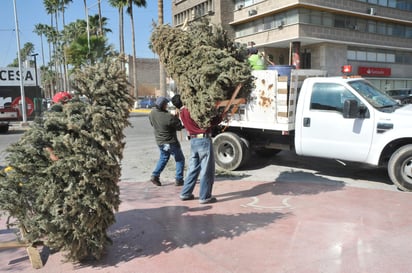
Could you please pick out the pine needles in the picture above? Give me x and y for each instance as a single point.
(70, 202)
(205, 64)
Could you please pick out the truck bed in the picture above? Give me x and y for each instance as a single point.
(272, 103)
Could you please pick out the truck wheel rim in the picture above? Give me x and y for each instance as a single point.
(407, 170)
(225, 153)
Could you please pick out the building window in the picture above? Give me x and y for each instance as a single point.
(371, 26)
(351, 55)
(381, 28)
(202, 9)
(398, 4)
(314, 17)
(408, 32)
(371, 55)
(239, 4)
(381, 57)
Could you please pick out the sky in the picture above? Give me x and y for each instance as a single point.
(31, 12)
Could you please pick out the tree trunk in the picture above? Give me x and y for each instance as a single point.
(136, 95)
(162, 76)
(121, 33)
(65, 65)
(100, 18)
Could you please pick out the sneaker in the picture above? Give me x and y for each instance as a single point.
(155, 180)
(208, 200)
(186, 198)
(179, 182)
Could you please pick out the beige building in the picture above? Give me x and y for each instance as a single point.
(148, 76)
(374, 36)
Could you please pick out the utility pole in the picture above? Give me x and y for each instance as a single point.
(35, 67)
(23, 97)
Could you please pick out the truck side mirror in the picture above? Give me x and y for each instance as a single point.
(350, 109)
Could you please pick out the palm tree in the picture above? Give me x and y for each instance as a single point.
(62, 7)
(87, 20)
(40, 29)
(100, 18)
(79, 54)
(48, 32)
(120, 4)
(162, 76)
(97, 25)
(85, 48)
(26, 51)
(51, 7)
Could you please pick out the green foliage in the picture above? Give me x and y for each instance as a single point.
(205, 64)
(25, 53)
(78, 53)
(70, 202)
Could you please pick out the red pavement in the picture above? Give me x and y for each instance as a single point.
(288, 227)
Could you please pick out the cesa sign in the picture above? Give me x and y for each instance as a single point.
(374, 71)
(10, 76)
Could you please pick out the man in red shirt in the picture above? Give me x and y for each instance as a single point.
(202, 161)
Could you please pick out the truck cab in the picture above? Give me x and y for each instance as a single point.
(347, 118)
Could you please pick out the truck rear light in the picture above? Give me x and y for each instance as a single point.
(347, 69)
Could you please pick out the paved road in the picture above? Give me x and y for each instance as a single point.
(140, 157)
(141, 154)
(285, 214)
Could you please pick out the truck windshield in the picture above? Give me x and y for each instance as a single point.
(374, 96)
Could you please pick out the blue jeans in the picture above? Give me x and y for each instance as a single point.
(201, 163)
(165, 151)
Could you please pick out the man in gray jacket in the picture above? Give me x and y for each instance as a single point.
(165, 126)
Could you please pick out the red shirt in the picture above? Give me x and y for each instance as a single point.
(190, 125)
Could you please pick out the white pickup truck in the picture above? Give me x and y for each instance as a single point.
(343, 118)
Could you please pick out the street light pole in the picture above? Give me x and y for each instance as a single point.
(35, 67)
(23, 97)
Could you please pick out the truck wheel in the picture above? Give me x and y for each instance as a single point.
(230, 151)
(4, 128)
(246, 151)
(400, 168)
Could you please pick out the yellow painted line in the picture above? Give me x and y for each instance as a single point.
(140, 110)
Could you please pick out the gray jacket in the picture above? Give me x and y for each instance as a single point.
(165, 126)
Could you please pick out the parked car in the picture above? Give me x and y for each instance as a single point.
(404, 96)
(147, 103)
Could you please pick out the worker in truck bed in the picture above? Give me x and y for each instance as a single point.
(258, 61)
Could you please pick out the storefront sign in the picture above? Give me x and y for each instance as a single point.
(10, 76)
(374, 71)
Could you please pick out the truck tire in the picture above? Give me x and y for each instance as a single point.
(4, 128)
(231, 151)
(246, 151)
(400, 168)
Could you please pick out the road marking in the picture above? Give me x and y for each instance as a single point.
(255, 201)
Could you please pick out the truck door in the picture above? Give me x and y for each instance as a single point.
(324, 132)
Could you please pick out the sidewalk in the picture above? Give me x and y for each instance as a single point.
(254, 227)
